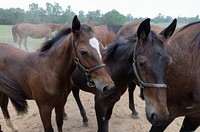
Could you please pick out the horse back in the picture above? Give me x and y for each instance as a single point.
(32, 30)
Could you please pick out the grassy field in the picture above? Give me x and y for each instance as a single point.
(6, 37)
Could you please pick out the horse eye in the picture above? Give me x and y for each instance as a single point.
(141, 64)
(83, 53)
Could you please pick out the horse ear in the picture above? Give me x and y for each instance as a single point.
(76, 25)
(167, 32)
(91, 22)
(144, 29)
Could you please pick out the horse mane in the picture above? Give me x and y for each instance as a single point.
(87, 28)
(48, 44)
(130, 40)
(109, 50)
(64, 32)
(114, 28)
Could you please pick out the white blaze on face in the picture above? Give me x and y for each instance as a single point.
(95, 44)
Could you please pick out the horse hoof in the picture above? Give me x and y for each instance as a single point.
(65, 117)
(85, 124)
(135, 116)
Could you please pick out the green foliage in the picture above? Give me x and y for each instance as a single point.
(55, 14)
(113, 17)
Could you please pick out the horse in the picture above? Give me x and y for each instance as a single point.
(22, 31)
(182, 78)
(137, 54)
(105, 34)
(44, 75)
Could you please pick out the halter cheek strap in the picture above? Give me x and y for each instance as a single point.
(141, 83)
(87, 71)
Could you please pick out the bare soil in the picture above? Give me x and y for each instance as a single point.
(121, 120)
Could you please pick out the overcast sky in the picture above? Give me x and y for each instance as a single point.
(137, 8)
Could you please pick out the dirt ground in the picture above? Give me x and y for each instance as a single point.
(121, 120)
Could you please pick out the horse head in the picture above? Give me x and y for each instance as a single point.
(88, 57)
(150, 62)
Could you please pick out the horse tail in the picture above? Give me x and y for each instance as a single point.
(13, 91)
(14, 33)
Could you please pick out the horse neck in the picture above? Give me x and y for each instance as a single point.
(61, 58)
(120, 65)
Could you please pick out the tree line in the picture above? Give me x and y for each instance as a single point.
(55, 14)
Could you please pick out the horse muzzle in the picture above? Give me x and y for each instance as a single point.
(102, 88)
(157, 116)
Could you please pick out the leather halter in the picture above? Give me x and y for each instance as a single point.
(141, 83)
(87, 71)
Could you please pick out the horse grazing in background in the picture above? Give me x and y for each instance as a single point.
(182, 78)
(22, 31)
(138, 55)
(45, 75)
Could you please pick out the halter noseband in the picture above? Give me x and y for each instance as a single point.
(86, 71)
(141, 83)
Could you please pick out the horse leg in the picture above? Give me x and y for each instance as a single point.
(100, 114)
(160, 128)
(20, 43)
(190, 124)
(45, 114)
(25, 43)
(103, 113)
(65, 117)
(131, 89)
(4, 108)
(59, 109)
(75, 92)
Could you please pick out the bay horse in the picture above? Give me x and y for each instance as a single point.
(137, 53)
(182, 78)
(22, 31)
(105, 34)
(44, 75)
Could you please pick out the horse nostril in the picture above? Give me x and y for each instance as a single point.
(153, 117)
(105, 89)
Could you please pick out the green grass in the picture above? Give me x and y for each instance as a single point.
(6, 37)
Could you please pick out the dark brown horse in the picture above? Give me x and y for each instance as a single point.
(22, 31)
(183, 80)
(137, 54)
(45, 75)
